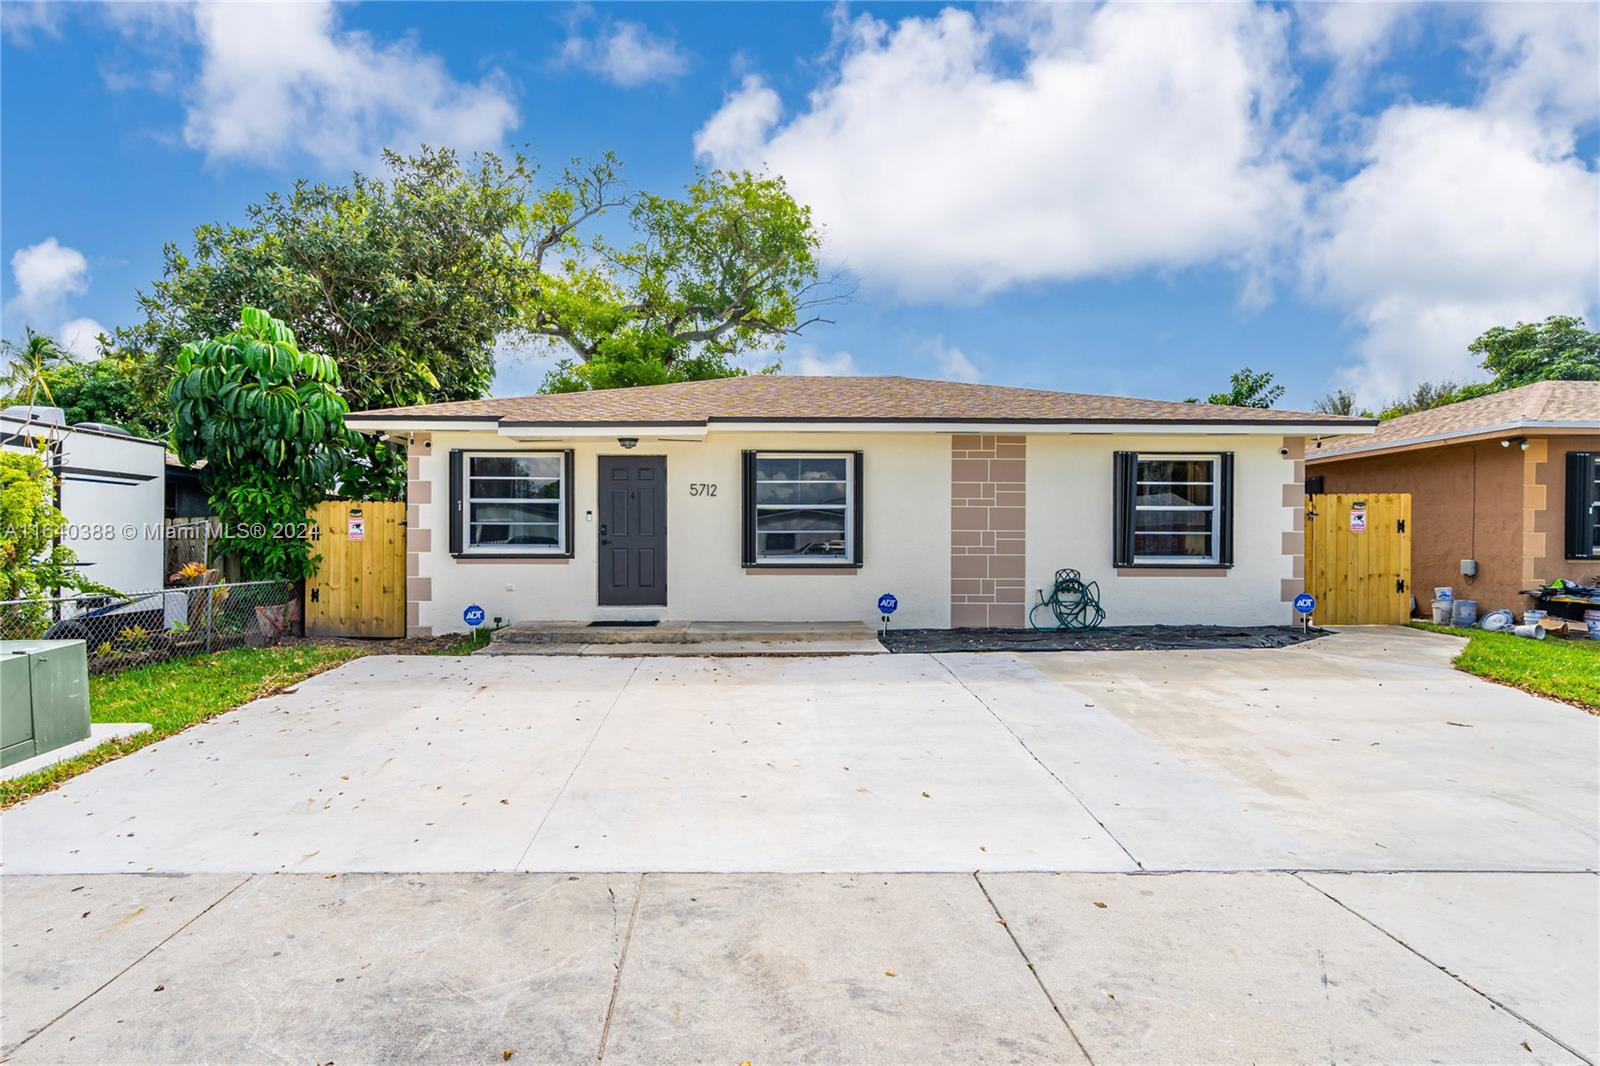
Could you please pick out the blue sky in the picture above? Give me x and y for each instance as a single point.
(1121, 199)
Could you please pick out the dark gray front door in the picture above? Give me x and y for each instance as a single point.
(633, 530)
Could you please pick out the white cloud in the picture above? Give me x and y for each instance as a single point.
(1427, 249)
(625, 53)
(936, 170)
(280, 79)
(45, 275)
(812, 363)
(952, 362)
(742, 122)
(22, 20)
(1459, 218)
(80, 336)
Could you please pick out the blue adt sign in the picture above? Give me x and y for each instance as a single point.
(1305, 603)
(473, 615)
(887, 604)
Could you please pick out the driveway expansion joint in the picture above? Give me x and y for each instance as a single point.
(578, 762)
(1580, 1056)
(1032, 969)
(102, 986)
(1042, 764)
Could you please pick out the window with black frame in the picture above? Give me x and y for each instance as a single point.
(801, 509)
(515, 503)
(1173, 509)
(1583, 505)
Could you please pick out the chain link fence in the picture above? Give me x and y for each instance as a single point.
(137, 628)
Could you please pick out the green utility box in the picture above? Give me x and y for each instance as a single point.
(44, 696)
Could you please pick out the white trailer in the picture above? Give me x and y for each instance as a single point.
(112, 489)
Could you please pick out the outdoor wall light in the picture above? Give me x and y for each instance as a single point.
(628, 442)
(1521, 442)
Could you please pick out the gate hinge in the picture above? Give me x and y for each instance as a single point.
(1399, 525)
(316, 595)
(1399, 584)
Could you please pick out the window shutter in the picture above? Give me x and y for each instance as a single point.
(1225, 519)
(861, 507)
(1581, 514)
(456, 518)
(1124, 468)
(569, 500)
(747, 507)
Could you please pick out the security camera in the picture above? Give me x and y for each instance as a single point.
(1284, 452)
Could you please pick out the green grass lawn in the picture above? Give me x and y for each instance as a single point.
(175, 695)
(1565, 669)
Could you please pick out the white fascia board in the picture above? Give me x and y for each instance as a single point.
(407, 425)
(556, 431)
(1478, 433)
(1285, 429)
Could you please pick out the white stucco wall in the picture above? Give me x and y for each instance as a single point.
(907, 535)
(1070, 525)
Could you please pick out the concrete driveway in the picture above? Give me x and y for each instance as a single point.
(1367, 856)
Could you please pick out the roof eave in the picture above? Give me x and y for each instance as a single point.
(1462, 436)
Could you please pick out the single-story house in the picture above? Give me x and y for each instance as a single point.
(1508, 481)
(792, 499)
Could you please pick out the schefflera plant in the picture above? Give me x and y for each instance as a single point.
(268, 422)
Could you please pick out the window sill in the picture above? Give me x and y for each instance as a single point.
(1174, 570)
(512, 557)
(802, 568)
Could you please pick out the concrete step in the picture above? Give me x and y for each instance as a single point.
(544, 633)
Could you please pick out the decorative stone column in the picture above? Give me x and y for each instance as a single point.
(988, 529)
(1294, 538)
(419, 538)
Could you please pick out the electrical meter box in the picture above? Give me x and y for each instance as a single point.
(44, 696)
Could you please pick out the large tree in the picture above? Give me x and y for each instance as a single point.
(729, 267)
(404, 281)
(1561, 347)
(1246, 388)
(408, 281)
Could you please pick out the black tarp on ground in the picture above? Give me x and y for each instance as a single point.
(1106, 638)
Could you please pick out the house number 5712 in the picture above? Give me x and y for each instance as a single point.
(700, 488)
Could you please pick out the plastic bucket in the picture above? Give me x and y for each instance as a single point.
(1463, 612)
(1594, 629)
(1441, 612)
(1444, 592)
(1532, 618)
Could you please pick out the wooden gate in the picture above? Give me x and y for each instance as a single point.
(359, 589)
(1358, 557)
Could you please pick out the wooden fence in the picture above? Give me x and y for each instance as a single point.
(359, 589)
(1358, 557)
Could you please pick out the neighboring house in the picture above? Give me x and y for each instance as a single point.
(186, 497)
(1508, 480)
(770, 498)
(112, 490)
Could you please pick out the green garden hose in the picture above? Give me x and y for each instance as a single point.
(1072, 604)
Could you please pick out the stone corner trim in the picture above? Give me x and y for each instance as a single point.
(988, 529)
(1294, 538)
(419, 538)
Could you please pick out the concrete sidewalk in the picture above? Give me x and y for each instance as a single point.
(686, 968)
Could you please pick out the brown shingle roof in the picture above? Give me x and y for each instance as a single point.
(775, 398)
(1558, 402)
